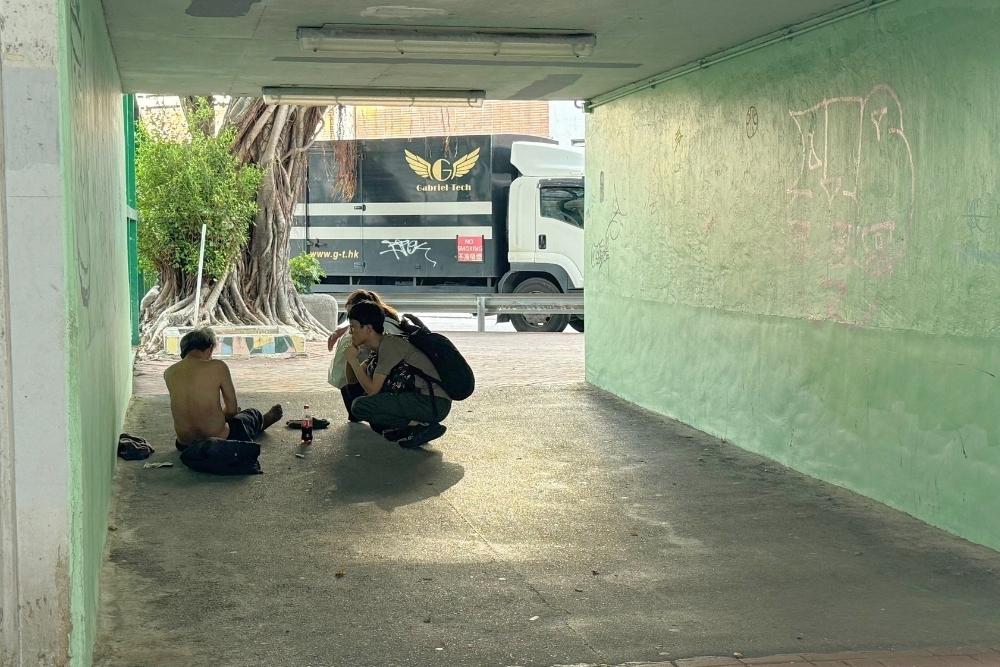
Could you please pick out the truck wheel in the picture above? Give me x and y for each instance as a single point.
(577, 324)
(538, 323)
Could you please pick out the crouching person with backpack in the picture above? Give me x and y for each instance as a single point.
(404, 400)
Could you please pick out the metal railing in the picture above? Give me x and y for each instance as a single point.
(489, 304)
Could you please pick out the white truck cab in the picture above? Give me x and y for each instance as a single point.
(545, 214)
(545, 226)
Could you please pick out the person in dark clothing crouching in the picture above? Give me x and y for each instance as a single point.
(400, 401)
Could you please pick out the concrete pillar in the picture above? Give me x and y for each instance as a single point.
(34, 456)
(9, 617)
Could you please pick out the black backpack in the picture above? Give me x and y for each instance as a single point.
(456, 376)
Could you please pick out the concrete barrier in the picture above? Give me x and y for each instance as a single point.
(244, 341)
(323, 307)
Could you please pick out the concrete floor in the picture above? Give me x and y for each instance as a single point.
(550, 525)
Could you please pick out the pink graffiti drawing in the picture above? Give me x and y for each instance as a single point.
(852, 202)
(879, 254)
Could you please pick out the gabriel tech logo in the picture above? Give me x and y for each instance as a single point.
(442, 170)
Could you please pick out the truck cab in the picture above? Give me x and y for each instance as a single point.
(545, 227)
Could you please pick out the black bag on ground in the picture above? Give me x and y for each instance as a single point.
(133, 448)
(223, 457)
(457, 378)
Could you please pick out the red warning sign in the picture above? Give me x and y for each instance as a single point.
(470, 248)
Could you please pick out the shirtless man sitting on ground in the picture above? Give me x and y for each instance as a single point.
(196, 383)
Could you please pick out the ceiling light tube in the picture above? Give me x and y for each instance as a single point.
(347, 38)
(387, 97)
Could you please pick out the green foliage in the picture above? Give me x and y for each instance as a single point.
(306, 272)
(182, 185)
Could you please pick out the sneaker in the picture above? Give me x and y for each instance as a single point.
(397, 434)
(422, 435)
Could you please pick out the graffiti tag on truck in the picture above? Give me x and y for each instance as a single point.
(406, 248)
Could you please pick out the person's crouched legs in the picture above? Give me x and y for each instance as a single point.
(395, 412)
(382, 411)
(350, 393)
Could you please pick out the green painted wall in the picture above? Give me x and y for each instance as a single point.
(97, 295)
(799, 250)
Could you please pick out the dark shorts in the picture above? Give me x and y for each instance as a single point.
(244, 426)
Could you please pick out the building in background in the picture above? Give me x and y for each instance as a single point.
(561, 121)
(162, 114)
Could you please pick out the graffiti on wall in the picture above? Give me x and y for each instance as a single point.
(851, 206)
(982, 217)
(600, 253)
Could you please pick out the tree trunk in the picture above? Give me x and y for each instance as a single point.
(189, 104)
(258, 289)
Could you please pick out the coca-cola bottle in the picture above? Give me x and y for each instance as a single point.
(307, 427)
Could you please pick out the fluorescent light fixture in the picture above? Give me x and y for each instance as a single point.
(385, 97)
(353, 39)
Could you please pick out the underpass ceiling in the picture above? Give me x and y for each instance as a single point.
(237, 47)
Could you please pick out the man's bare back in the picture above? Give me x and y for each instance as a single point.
(202, 396)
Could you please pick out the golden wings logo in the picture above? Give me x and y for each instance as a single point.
(442, 170)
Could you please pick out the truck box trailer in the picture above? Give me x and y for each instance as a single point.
(476, 213)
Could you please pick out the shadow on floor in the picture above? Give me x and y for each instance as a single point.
(550, 525)
(380, 472)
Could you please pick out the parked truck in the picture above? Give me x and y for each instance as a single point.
(475, 214)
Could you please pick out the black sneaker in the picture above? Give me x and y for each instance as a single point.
(397, 434)
(422, 435)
